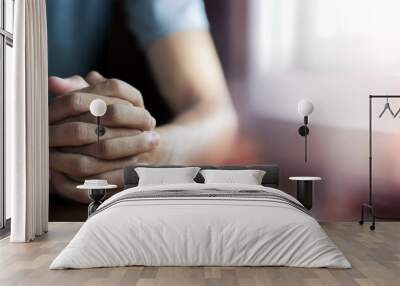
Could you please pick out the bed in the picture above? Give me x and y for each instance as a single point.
(199, 224)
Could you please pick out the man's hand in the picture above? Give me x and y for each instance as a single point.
(129, 131)
(203, 130)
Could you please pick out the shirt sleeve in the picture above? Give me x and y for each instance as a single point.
(150, 20)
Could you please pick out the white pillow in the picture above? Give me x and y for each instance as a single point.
(163, 176)
(248, 177)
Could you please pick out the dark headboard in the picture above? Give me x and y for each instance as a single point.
(271, 177)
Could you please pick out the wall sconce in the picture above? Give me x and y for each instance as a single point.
(305, 108)
(98, 108)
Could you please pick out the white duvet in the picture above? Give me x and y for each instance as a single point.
(192, 231)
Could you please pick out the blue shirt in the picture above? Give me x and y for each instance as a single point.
(78, 29)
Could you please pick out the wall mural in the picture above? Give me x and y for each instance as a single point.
(169, 102)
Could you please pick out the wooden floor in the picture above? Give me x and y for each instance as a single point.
(375, 257)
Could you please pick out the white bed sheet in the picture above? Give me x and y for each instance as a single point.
(200, 231)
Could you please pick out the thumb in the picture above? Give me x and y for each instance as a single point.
(58, 85)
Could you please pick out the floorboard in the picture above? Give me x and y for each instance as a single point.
(375, 257)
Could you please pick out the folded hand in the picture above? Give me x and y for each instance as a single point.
(75, 154)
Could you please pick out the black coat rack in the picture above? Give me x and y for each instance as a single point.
(369, 206)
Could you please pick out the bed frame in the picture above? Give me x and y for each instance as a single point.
(271, 177)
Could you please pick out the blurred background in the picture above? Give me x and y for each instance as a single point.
(333, 53)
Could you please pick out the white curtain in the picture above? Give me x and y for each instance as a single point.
(27, 149)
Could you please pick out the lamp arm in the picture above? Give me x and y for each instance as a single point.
(304, 131)
(98, 135)
(100, 131)
(305, 138)
(305, 147)
(98, 128)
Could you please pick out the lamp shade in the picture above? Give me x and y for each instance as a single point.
(305, 107)
(98, 107)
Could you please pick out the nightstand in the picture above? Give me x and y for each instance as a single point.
(305, 190)
(96, 192)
